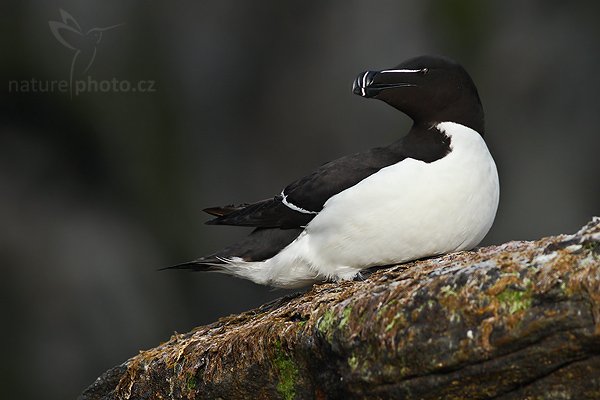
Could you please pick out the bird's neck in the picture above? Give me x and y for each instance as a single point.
(424, 142)
(464, 113)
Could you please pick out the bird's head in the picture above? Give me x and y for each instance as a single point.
(429, 89)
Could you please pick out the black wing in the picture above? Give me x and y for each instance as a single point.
(300, 201)
(311, 192)
(303, 199)
(270, 213)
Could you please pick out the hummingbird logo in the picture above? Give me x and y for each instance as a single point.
(84, 44)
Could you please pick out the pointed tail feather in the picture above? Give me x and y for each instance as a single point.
(260, 245)
(222, 211)
(199, 265)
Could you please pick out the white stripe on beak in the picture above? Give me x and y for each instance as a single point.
(364, 83)
(400, 70)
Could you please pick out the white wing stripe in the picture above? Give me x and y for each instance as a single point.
(295, 207)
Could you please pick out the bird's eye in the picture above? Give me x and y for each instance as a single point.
(424, 71)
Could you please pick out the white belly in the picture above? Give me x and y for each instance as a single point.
(406, 211)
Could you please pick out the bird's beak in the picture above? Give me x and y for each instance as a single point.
(371, 83)
(362, 84)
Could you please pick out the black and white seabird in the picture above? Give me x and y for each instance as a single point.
(433, 191)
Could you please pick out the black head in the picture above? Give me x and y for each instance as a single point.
(429, 89)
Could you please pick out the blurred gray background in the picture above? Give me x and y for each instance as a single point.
(99, 190)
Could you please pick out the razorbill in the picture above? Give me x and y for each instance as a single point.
(433, 191)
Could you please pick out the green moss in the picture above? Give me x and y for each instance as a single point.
(326, 322)
(288, 373)
(391, 325)
(331, 319)
(419, 308)
(353, 362)
(345, 316)
(359, 362)
(191, 382)
(447, 291)
(514, 300)
(382, 313)
(591, 247)
(563, 286)
(384, 307)
(363, 359)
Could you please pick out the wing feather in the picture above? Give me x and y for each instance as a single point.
(303, 199)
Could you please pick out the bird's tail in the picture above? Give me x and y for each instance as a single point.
(231, 266)
(201, 265)
(248, 258)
